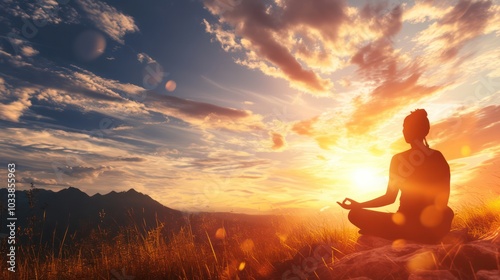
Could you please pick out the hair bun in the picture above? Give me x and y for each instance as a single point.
(420, 113)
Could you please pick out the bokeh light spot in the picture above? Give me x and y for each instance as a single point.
(171, 85)
(398, 243)
(431, 216)
(89, 45)
(465, 150)
(265, 270)
(398, 218)
(247, 246)
(424, 261)
(241, 266)
(220, 233)
(282, 236)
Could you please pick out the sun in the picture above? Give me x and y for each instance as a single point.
(367, 179)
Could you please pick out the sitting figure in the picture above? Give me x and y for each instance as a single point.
(423, 177)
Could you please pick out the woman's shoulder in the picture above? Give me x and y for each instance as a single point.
(436, 153)
(428, 152)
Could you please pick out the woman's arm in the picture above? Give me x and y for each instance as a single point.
(388, 198)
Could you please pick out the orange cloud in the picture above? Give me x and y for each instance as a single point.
(377, 61)
(14, 109)
(320, 129)
(302, 40)
(387, 99)
(463, 135)
(267, 36)
(460, 25)
(466, 21)
(278, 141)
(305, 127)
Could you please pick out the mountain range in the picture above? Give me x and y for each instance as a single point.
(72, 212)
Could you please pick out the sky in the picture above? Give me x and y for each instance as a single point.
(246, 105)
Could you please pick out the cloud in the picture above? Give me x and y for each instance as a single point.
(466, 21)
(386, 100)
(424, 11)
(386, 24)
(279, 142)
(226, 38)
(61, 78)
(144, 57)
(109, 19)
(89, 92)
(29, 51)
(399, 78)
(301, 40)
(130, 159)
(41, 12)
(467, 134)
(305, 127)
(377, 61)
(224, 164)
(83, 173)
(67, 87)
(459, 26)
(14, 110)
(267, 36)
(15, 101)
(40, 181)
(205, 115)
(396, 78)
(308, 33)
(325, 129)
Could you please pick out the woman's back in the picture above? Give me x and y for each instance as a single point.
(426, 181)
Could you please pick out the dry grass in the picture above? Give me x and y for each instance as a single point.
(204, 250)
(480, 218)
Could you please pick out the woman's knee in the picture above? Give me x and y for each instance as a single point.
(449, 214)
(355, 215)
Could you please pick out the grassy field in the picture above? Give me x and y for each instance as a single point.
(209, 248)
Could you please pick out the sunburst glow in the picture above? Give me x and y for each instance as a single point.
(367, 179)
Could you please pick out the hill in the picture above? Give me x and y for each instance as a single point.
(51, 213)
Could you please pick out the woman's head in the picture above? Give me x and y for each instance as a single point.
(416, 126)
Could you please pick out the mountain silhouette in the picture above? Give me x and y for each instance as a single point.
(52, 213)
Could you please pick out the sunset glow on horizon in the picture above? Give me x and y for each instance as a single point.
(247, 105)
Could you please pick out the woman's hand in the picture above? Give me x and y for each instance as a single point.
(349, 204)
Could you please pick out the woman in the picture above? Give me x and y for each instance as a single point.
(423, 177)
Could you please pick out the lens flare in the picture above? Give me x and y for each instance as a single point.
(425, 261)
(171, 85)
(431, 216)
(398, 244)
(89, 45)
(220, 233)
(465, 150)
(247, 246)
(366, 179)
(398, 218)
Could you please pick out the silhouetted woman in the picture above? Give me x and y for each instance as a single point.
(423, 177)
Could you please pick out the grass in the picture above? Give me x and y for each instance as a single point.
(479, 219)
(207, 248)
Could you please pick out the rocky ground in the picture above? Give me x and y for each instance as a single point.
(456, 257)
